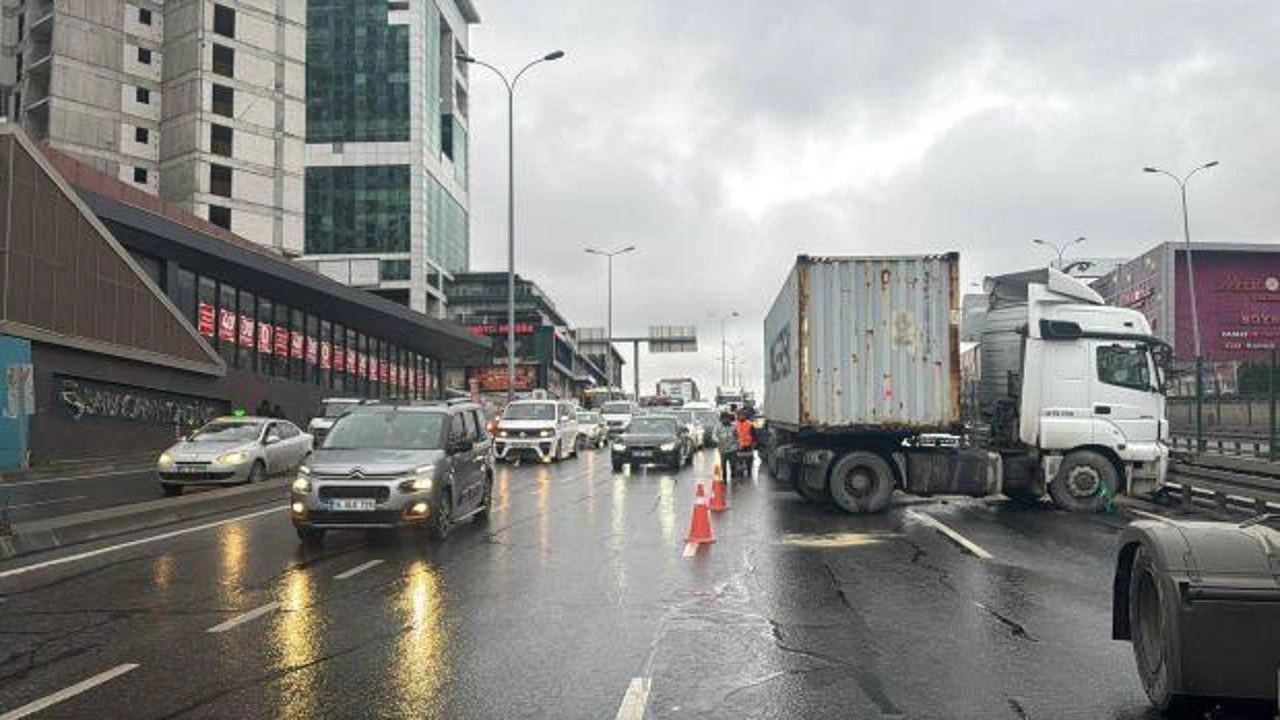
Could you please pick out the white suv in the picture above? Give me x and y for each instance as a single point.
(545, 430)
(617, 414)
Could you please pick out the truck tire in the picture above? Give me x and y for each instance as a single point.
(861, 482)
(1153, 620)
(1086, 482)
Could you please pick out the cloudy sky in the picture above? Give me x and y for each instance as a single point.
(723, 137)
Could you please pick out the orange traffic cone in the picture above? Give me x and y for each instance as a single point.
(700, 527)
(715, 472)
(719, 497)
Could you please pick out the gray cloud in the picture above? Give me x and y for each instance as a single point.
(725, 137)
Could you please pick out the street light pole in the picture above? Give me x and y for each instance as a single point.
(1191, 293)
(511, 204)
(1186, 236)
(724, 380)
(1060, 249)
(608, 348)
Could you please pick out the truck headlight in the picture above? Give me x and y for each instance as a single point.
(668, 447)
(547, 433)
(302, 486)
(232, 458)
(619, 447)
(166, 460)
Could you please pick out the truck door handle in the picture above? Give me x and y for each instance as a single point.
(1101, 409)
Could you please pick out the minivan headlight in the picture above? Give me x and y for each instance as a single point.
(668, 447)
(422, 481)
(302, 486)
(547, 433)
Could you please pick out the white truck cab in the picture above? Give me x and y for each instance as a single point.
(1092, 398)
(543, 430)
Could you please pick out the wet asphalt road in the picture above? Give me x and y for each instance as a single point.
(575, 590)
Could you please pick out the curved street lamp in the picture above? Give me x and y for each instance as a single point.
(1186, 235)
(608, 348)
(1060, 249)
(511, 203)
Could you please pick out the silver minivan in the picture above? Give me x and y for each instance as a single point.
(389, 466)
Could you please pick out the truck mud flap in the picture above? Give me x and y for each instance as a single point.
(806, 469)
(956, 471)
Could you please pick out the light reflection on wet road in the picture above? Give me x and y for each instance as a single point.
(576, 587)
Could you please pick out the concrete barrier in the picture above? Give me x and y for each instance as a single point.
(51, 533)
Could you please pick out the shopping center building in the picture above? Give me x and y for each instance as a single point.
(125, 320)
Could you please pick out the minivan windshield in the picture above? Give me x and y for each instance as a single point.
(228, 431)
(616, 408)
(387, 431)
(588, 417)
(530, 411)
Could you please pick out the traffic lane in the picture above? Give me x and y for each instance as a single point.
(882, 616)
(317, 625)
(81, 490)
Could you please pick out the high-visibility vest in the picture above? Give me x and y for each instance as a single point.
(745, 439)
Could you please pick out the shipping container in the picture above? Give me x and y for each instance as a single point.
(865, 343)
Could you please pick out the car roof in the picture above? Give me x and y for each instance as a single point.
(243, 418)
(351, 400)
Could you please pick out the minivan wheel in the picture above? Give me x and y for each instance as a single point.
(442, 520)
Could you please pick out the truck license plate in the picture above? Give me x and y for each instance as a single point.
(353, 504)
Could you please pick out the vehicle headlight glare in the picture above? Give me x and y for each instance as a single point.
(302, 485)
(619, 447)
(232, 458)
(304, 470)
(503, 433)
(166, 460)
(668, 447)
(547, 433)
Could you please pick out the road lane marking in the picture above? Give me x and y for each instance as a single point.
(47, 502)
(49, 481)
(690, 549)
(956, 537)
(243, 618)
(135, 543)
(634, 702)
(358, 569)
(67, 693)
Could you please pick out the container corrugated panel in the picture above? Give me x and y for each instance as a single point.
(866, 343)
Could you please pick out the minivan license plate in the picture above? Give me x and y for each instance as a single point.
(353, 504)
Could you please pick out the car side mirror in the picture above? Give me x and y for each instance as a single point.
(461, 446)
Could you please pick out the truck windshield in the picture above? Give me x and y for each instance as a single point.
(1124, 366)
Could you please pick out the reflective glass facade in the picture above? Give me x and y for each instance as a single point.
(447, 229)
(362, 208)
(357, 73)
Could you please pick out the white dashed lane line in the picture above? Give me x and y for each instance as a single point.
(49, 701)
(244, 618)
(357, 570)
(635, 700)
(952, 535)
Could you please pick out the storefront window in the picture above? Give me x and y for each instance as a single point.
(326, 354)
(227, 324)
(207, 309)
(297, 346)
(312, 357)
(185, 295)
(353, 350)
(246, 334)
(280, 340)
(266, 328)
(339, 357)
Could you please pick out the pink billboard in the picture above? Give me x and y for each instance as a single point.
(1238, 299)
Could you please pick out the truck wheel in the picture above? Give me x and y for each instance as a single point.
(1086, 482)
(861, 482)
(813, 495)
(1153, 622)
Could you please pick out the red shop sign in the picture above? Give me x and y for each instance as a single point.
(313, 351)
(227, 325)
(246, 331)
(339, 359)
(296, 341)
(204, 319)
(326, 355)
(282, 341)
(264, 338)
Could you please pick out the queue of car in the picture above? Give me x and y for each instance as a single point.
(383, 466)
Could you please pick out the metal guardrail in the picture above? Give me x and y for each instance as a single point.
(1249, 485)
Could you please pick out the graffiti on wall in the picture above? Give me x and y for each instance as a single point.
(84, 399)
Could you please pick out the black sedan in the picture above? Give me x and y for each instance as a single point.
(655, 439)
